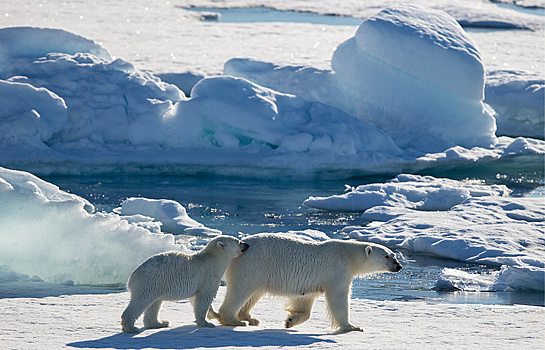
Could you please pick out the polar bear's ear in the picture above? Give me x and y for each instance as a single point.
(221, 245)
(368, 250)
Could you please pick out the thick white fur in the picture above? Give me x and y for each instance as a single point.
(175, 276)
(300, 270)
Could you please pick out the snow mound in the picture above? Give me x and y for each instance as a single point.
(52, 234)
(238, 114)
(393, 74)
(171, 214)
(486, 230)
(30, 42)
(407, 191)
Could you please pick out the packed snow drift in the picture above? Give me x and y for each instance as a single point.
(71, 103)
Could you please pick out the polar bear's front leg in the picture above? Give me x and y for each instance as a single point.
(244, 313)
(235, 298)
(299, 310)
(201, 303)
(337, 305)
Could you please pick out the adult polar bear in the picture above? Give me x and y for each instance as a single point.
(301, 270)
(175, 276)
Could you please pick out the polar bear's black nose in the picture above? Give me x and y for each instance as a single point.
(244, 247)
(398, 267)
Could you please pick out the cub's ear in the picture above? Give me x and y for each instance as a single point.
(221, 245)
(368, 250)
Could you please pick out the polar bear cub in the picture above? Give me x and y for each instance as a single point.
(300, 270)
(175, 276)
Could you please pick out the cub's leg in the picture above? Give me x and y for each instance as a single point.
(151, 316)
(299, 309)
(136, 307)
(201, 302)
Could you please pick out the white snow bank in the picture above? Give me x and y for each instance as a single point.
(234, 113)
(79, 114)
(486, 230)
(171, 214)
(32, 43)
(407, 191)
(54, 235)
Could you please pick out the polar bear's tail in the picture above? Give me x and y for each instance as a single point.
(212, 315)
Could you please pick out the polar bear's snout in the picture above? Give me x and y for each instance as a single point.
(397, 266)
(245, 247)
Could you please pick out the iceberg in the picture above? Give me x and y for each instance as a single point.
(412, 72)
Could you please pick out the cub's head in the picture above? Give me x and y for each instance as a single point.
(382, 258)
(228, 245)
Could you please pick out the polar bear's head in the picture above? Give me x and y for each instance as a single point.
(382, 258)
(227, 245)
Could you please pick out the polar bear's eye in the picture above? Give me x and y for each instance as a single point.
(387, 257)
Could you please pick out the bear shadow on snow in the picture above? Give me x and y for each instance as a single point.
(190, 337)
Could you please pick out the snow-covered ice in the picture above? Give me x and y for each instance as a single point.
(171, 214)
(407, 191)
(502, 231)
(105, 115)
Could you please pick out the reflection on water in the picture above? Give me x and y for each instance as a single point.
(252, 206)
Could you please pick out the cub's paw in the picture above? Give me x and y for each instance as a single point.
(349, 328)
(253, 322)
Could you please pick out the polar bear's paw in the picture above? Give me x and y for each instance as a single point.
(295, 318)
(128, 328)
(349, 328)
(205, 324)
(157, 324)
(232, 322)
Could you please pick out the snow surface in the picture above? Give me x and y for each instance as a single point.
(392, 74)
(92, 321)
